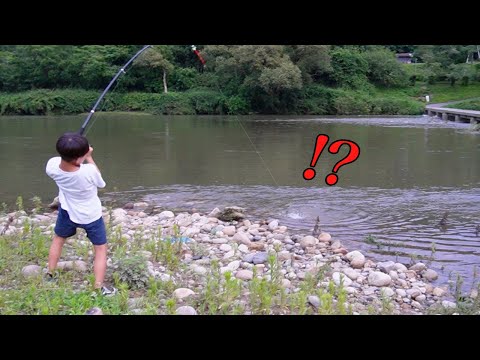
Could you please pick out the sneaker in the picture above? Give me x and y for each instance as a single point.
(107, 292)
(50, 278)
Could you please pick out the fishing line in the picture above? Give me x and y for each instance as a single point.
(258, 153)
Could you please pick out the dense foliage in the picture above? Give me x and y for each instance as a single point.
(238, 79)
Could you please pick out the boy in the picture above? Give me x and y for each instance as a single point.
(80, 205)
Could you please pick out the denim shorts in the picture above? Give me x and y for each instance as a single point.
(95, 231)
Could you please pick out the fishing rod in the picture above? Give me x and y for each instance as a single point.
(122, 70)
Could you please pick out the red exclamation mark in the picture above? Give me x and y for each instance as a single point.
(321, 142)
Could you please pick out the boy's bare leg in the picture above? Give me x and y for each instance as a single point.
(100, 264)
(55, 252)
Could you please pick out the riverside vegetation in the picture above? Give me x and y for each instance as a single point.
(238, 79)
(216, 263)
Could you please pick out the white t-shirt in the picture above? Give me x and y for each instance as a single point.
(78, 190)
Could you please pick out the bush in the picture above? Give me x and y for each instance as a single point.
(236, 105)
(184, 79)
(347, 103)
(133, 271)
(206, 102)
(174, 104)
(388, 106)
(140, 101)
(318, 100)
(43, 102)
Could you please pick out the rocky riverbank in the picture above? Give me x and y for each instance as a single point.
(216, 263)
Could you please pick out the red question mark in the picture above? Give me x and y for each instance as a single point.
(353, 155)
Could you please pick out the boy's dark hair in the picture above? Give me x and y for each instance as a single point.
(71, 146)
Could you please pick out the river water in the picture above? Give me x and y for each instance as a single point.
(388, 203)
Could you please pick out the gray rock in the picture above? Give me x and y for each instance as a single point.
(314, 300)
(430, 275)
(186, 310)
(387, 292)
(231, 213)
(356, 258)
(244, 275)
(243, 248)
(225, 247)
(242, 238)
(198, 269)
(438, 292)
(234, 265)
(448, 304)
(77, 265)
(417, 305)
(351, 289)
(413, 293)
(324, 237)
(393, 274)
(284, 255)
(182, 293)
(94, 311)
(119, 216)
(420, 298)
(308, 241)
(256, 258)
(229, 230)
(352, 274)
(474, 293)
(339, 277)
(386, 266)
(272, 225)
(229, 254)
(336, 245)
(31, 271)
(377, 278)
(400, 267)
(418, 267)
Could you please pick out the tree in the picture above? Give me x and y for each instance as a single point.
(446, 55)
(401, 48)
(263, 74)
(461, 72)
(384, 69)
(156, 58)
(349, 68)
(313, 60)
(40, 66)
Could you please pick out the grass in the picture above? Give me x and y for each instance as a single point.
(439, 92)
(216, 292)
(465, 304)
(443, 92)
(467, 105)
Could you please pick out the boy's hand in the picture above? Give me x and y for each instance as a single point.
(89, 154)
(89, 158)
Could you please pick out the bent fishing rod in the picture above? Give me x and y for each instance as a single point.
(122, 70)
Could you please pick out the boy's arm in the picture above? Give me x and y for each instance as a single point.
(89, 160)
